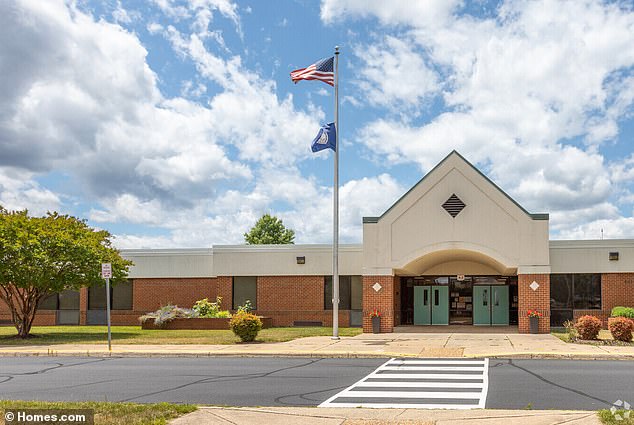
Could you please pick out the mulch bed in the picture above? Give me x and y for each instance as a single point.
(603, 342)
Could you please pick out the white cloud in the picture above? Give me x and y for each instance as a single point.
(80, 97)
(519, 88)
(249, 113)
(393, 74)
(19, 191)
(394, 12)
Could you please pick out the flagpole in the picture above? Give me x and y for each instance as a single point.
(335, 231)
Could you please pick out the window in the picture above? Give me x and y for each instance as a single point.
(573, 291)
(120, 296)
(244, 288)
(587, 291)
(69, 300)
(349, 287)
(48, 303)
(97, 297)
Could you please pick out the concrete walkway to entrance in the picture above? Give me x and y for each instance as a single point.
(408, 343)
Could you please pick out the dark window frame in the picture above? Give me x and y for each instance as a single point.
(254, 301)
(113, 292)
(345, 292)
(559, 314)
(54, 296)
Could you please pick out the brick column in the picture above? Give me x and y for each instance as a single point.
(83, 305)
(533, 300)
(382, 300)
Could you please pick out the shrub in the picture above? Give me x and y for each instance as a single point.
(246, 308)
(588, 327)
(208, 309)
(623, 312)
(245, 325)
(621, 328)
(570, 330)
(168, 313)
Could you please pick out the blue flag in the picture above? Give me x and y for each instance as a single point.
(326, 138)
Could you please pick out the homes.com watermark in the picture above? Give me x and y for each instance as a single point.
(49, 416)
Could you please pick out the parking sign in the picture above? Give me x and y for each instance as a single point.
(106, 270)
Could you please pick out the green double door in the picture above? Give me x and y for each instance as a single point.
(431, 305)
(491, 305)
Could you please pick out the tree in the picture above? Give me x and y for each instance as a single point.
(40, 256)
(269, 230)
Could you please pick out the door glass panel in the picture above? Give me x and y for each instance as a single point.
(461, 301)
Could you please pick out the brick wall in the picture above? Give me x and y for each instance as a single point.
(288, 299)
(533, 300)
(150, 294)
(617, 290)
(382, 300)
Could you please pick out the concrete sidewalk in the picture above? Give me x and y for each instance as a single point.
(510, 345)
(340, 416)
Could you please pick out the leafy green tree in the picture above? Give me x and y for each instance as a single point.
(269, 230)
(40, 256)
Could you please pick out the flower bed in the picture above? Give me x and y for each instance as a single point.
(199, 323)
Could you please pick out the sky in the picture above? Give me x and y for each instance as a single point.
(174, 123)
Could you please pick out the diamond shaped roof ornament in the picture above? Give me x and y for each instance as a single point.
(534, 286)
(453, 205)
(377, 287)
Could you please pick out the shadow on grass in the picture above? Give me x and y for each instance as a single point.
(64, 338)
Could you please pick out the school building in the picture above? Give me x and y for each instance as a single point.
(455, 249)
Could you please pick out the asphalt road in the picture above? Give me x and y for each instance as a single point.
(537, 384)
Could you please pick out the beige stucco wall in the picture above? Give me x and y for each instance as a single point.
(591, 256)
(157, 263)
(244, 260)
(280, 260)
(417, 236)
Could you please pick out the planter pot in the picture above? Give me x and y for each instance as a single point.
(534, 322)
(376, 325)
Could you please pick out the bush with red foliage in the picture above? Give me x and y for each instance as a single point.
(588, 327)
(621, 328)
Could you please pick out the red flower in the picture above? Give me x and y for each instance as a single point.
(375, 313)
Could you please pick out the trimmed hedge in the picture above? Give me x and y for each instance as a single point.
(245, 325)
(623, 312)
(588, 327)
(621, 328)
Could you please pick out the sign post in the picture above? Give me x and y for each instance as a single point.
(106, 273)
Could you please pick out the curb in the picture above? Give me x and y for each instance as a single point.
(349, 355)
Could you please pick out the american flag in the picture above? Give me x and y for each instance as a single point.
(321, 70)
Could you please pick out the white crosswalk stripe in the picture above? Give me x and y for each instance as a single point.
(419, 384)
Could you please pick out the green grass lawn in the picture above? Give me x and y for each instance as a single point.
(135, 335)
(113, 413)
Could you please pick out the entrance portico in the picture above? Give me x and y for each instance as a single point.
(456, 249)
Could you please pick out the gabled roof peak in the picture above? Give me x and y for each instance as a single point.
(455, 153)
